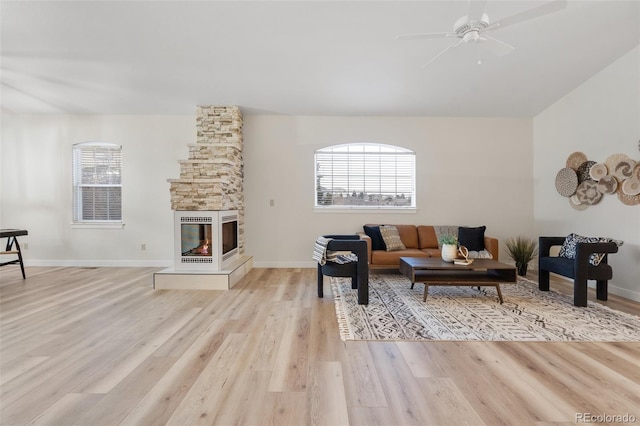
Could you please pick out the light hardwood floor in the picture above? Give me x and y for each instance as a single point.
(98, 346)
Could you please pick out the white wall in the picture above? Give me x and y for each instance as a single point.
(599, 118)
(472, 171)
(36, 186)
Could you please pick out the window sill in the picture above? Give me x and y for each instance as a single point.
(365, 210)
(97, 225)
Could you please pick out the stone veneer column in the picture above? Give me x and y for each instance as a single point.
(212, 178)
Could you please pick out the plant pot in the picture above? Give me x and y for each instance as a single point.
(522, 268)
(449, 252)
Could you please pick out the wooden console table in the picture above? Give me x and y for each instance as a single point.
(12, 240)
(435, 271)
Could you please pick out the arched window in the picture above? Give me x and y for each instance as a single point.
(97, 182)
(365, 175)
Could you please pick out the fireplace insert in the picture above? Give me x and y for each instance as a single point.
(206, 240)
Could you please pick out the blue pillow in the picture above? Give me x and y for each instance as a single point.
(377, 242)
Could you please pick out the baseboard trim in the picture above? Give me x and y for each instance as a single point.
(267, 264)
(102, 263)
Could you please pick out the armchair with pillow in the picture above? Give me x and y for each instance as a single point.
(580, 258)
(328, 253)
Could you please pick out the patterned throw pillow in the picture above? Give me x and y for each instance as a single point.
(570, 247)
(391, 238)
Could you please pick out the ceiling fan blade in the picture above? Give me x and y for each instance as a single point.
(476, 9)
(536, 12)
(456, 43)
(495, 46)
(425, 36)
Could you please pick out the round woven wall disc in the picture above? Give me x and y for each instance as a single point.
(631, 186)
(613, 160)
(624, 169)
(566, 182)
(577, 204)
(629, 200)
(608, 185)
(598, 171)
(575, 159)
(588, 192)
(583, 171)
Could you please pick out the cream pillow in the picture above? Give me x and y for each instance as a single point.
(391, 238)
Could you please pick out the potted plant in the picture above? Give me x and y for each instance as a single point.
(522, 250)
(449, 247)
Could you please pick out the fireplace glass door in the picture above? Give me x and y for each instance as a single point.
(196, 239)
(229, 236)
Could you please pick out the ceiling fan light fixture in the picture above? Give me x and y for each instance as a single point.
(471, 36)
(463, 25)
(472, 27)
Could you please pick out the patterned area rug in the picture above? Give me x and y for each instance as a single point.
(396, 312)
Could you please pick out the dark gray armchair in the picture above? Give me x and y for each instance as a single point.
(579, 268)
(357, 271)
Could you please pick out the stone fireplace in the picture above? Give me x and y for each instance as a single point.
(208, 200)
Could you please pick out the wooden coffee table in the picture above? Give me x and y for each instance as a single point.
(435, 271)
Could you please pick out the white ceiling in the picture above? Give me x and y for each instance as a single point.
(298, 57)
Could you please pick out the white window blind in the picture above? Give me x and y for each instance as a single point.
(97, 182)
(365, 175)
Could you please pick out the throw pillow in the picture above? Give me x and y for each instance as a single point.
(391, 238)
(570, 247)
(472, 238)
(377, 243)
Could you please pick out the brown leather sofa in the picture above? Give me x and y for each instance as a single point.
(420, 241)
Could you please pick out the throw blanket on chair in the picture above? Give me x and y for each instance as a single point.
(322, 255)
(320, 250)
(341, 257)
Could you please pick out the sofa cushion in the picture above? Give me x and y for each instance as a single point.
(427, 237)
(432, 252)
(558, 265)
(377, 242)
(392, 258)
(391, 238)
(408, 235)
(472, 238)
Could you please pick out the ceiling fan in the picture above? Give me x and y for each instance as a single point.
(472, 27)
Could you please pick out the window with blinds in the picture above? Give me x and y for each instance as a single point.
(365, 175)
(97, 182)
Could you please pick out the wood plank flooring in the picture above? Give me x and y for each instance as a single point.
(98, 346)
